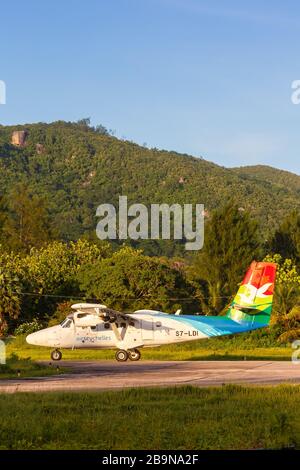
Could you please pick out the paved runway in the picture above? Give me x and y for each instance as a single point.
(108, 375)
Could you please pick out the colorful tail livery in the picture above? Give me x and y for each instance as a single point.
(250, 309)
(253, 301)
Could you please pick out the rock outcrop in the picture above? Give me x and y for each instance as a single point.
(18, 138)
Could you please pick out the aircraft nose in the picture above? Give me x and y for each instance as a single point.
(45, 337)
(33, 338)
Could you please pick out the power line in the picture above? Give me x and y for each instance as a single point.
(35, 294)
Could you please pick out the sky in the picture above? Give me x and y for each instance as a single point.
(208, 78)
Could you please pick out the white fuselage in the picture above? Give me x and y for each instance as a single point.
(146, 329)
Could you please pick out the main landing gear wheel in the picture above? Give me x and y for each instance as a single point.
(134, 355)
(121, 355)
(56, 355)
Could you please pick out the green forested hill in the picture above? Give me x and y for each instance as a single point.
(279, 178)
(75, 168)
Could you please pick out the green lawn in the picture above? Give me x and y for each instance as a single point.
(229, 417)
(250, 346)
(25, 367)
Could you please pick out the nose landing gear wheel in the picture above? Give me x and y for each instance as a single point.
(56, 355)
(121, 355)
(134, 355)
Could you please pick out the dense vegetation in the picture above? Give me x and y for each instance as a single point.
(50, 257)
(230, 417)
(279, 179)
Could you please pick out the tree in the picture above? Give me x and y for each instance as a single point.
(101, 129)
(131, 280)
(27, 222)
(286, 309)
(84, 123)
(10, 289)
(51, 272)
(286, 240)
(230, 244)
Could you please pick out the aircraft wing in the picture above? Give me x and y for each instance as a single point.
(115, 318)
(108, 314)
(104, 313)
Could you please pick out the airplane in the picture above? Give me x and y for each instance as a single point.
(95, 326)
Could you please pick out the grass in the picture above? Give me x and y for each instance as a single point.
(229, 417)
(16, 367)
(252, 346)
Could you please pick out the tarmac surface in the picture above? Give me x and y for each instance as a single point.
(109, 375)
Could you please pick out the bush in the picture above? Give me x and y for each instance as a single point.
(28, 327)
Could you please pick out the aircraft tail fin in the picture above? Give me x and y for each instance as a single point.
(254, 299)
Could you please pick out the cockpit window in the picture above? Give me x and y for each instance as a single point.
(66, 323)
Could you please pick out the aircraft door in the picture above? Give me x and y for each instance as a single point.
(133, 334)
(147, 329)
